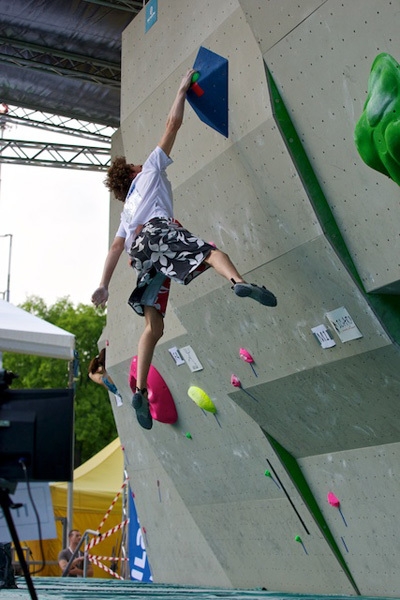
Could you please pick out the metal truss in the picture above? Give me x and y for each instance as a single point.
(51, 154)
(46, 154)
(129, 5)
(17, 115)
(25, 54)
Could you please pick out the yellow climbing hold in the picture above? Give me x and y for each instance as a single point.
(201, 399)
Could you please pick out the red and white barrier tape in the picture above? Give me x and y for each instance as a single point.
(107, 569)
(113, 558)
(112, 505)
(96, 540)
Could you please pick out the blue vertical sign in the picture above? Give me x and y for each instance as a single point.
(151, 14)
(139, 567)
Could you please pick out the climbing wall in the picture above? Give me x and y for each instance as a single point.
(292, 484)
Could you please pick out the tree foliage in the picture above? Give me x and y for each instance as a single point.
(94, 421)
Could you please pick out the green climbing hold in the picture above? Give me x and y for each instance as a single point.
(377, 133)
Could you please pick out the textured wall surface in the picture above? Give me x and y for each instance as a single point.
(290, 200)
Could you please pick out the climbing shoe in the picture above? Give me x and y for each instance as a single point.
(141, 405)
(258, 293)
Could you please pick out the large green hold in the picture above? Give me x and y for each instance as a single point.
(377, 133)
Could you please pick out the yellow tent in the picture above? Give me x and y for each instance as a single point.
(96, 483)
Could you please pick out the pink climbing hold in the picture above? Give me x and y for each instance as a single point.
(235, 381)
(333, 501)
(245, 355)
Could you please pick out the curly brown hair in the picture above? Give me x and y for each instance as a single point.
(119, 178)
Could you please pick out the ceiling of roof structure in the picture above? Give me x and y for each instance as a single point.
(64, 56)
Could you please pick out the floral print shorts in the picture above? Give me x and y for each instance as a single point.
(162, 251)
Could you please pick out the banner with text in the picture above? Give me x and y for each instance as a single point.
(138, 562)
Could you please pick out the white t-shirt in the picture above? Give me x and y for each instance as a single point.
(149, 196)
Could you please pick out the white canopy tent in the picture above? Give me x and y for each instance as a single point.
(24, 333)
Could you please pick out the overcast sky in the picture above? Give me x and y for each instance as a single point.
(58, 219)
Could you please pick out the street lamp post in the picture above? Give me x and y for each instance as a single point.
(3, 111)
(6, 294)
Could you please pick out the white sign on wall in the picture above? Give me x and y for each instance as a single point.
(176, 355)
(343, 324)
(190, 358)
(323, 336)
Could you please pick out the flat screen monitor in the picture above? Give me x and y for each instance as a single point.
(36, 428)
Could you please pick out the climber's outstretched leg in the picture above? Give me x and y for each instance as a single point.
(223, 265)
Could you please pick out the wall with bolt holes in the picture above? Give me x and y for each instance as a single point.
(242, 500)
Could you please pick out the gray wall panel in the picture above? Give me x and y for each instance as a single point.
(220, 520)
